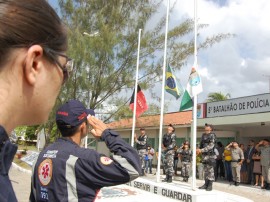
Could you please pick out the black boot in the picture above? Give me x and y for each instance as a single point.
(186, 179)
(169, 179)
(142, 174)
(209, 187)
(264, 185)
(267, 187)
(166, 179)
(205, 185)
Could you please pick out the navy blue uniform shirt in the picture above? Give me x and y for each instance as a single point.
(7, 153)
(66, 172)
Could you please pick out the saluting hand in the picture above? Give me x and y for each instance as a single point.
(98, 126)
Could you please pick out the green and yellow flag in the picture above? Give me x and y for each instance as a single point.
(172, 86)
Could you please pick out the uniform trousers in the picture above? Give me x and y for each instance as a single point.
(142, 153)
(209, 167)
(168, 162)
(185, 169)
(266, 173)
(236, 171)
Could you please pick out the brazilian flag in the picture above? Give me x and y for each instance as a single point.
(171, 85)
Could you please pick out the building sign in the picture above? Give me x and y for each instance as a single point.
(169, 193)
(238, 106)
(201, 110)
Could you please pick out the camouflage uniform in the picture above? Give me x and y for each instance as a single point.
(185, 160)
(141, 148)
(207, 147)
(169, 143)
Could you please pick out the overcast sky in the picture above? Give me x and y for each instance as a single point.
(237, 65)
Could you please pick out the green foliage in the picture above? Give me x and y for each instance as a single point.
(54, 133)
(105, 64)
(20, 130)
(213, 97)
(31, 132)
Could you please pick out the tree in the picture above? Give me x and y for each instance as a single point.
(31, 132)
(105, 63)
(213, 97)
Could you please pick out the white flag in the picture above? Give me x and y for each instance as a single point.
(194, 86)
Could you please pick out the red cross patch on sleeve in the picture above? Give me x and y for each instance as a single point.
(105, 160)
(45, 172)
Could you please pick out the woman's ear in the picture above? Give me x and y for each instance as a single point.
(33, 64)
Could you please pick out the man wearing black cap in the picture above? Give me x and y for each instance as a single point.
(66, 172)
(168, 144)
(207, 147)
(141, 145)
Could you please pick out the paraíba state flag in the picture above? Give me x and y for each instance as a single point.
(186, 101)
(141, 106)
(171, 85)
(194, 87)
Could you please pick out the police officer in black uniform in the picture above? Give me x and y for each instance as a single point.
(186, 155)
(168, 142)
(207, 147)
(141, 145)
(66, 172)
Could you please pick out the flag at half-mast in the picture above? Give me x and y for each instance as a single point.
(141, 106)
(194, 87)
(172, 86)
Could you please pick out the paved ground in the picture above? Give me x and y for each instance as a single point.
(251, 192)
(21, 183)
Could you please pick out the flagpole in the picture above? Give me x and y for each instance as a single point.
(194, 123)
(163, 91)
(136, 89)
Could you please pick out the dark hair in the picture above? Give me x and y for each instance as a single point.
(219, 144)
(170, 125)
(67, 130)
(30, 22)
(209, 125)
